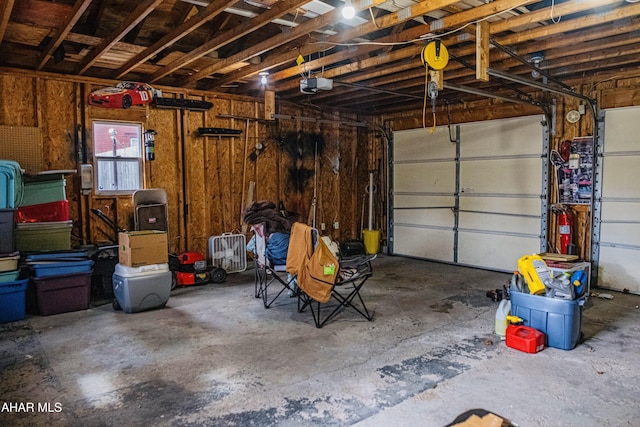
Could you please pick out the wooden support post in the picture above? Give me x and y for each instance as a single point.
(269, 104)
(482, 51)
(437, 76)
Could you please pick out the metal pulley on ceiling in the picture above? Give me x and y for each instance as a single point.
(435, 56)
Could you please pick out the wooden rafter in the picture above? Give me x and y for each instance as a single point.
(227, 37)
(188, 26)
(6, 6)
(384, 22)
(139, 14)
(63, 31)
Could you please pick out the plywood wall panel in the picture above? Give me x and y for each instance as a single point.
(18, 96)
(195, 183)
(216, 171)
(166, 170)
(57, 117)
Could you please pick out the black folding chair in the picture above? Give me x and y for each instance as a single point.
(268, 274)
(345, 293)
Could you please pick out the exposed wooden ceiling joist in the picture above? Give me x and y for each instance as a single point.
(222, 45)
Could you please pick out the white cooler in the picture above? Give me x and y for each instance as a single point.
(141, 288)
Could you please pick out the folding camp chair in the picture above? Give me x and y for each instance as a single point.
(351, 277)
(326, 284)
(268, 273)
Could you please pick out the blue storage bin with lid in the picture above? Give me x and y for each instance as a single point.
(11, 184)
(60, 268)
(559, 319)
(13, 300)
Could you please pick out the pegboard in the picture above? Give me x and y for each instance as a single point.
(24, 145)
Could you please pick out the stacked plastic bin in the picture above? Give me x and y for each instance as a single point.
(43, 215)
(61, 280)
(556, 314)
(12, 286)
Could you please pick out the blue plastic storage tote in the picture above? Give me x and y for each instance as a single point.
(559, 319)
(11, 185)
(13, 300)
(60, 268)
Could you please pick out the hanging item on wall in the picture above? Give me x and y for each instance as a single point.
(257, 149)
(149, 144)
(575, 176)
(127, 94)
(181, 104)
(124, 95)
(218, 131)
(573, 116)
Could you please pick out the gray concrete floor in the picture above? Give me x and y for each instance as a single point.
(215, 357)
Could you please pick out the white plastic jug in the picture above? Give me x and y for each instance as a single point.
(501, 317)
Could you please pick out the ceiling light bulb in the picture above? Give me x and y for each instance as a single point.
(263, 80)
(348, 10)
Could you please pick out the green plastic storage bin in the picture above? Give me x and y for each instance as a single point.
(43, 236)
(9, 276)
(39, 192)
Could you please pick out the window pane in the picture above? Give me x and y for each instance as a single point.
(118, 175)
(118, 156)
(112, 139)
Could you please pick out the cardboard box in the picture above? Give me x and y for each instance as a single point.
(143, 248)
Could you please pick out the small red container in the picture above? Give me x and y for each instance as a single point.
(524, 338)
(44, 212)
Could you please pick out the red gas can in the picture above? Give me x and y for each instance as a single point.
(524, 338)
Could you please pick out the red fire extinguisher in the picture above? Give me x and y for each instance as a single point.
(564, 223)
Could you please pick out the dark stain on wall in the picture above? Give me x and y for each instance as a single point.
(303, 148)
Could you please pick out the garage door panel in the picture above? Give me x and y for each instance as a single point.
(619, 238)
(419, 144)
(434, 217)
(499, 252)
(420, 177)
(622, 129)
(498, 223)
(620, 176)
(619, 269)
(500, 172)
(623, 233)
(525, 206)
(413, 201)
(513, 176)
(424, 243)
(501, 137)
(620, 211)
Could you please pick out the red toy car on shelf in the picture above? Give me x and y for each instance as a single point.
(124, 95)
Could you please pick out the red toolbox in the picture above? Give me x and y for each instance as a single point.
(44, 212)
(524, 338)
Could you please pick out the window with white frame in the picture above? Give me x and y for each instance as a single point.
(117, 149)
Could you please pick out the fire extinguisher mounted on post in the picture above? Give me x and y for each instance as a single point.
(565, 228)
(149, 144)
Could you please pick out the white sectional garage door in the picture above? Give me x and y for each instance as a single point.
(483, 210)
(619, 247)
(424, 186)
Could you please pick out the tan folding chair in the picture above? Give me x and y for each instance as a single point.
(326, 284)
